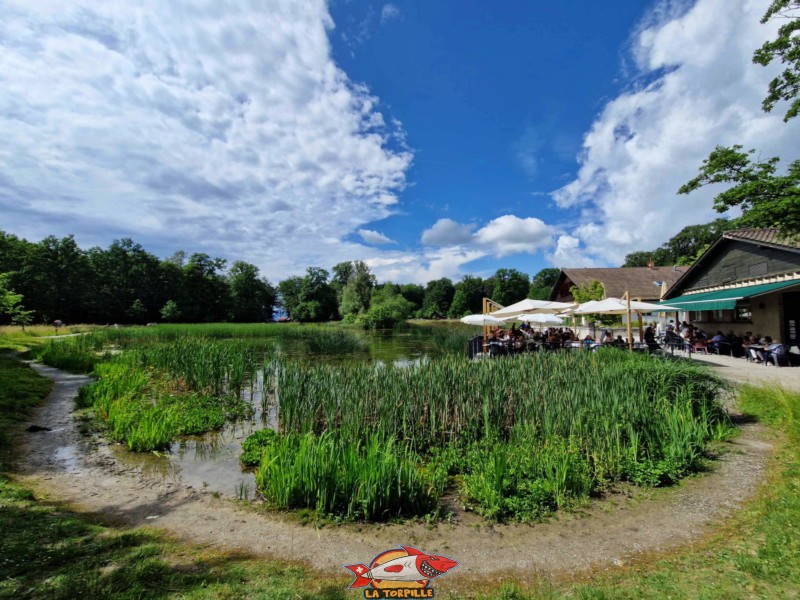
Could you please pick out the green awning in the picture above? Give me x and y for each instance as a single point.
(725, 299)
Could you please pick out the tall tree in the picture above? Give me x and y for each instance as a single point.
(542, 283)
(786, 47)
(207, 295)
(683, 247)
(510, 286)
(252, 296)
(438, 296)
(309, 298)
(354, 283)
(766, 198)
(468, 299)
(414, 293)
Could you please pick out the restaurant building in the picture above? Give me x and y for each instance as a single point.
(747, 280)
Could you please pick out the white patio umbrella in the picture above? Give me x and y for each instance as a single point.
(529, 306)
(537, 318)
(618, 306)
(484, 320)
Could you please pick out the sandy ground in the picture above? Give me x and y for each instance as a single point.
(67, 465)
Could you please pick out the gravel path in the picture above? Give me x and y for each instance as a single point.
(68, 465)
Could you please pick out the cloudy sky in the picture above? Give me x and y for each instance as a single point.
(428, 138)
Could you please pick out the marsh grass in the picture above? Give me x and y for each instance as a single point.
(526, 434)
(374, 480)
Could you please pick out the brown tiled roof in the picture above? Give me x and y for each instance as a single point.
(636, 280)
(768, 237)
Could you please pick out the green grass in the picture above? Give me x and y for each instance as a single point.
(21, 389)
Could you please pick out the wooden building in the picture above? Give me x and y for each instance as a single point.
(643, 283)
(748, 280)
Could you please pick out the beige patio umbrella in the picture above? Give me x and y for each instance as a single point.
(618, 306)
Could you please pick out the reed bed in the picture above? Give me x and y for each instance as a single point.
(525, 434)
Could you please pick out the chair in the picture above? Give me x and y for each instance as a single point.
(700, 346)
(777, 356)
(721, 348)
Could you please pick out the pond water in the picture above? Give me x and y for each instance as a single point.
(210, 462)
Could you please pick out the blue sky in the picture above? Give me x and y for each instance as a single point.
(429, 139)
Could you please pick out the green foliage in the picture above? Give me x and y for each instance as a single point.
(254, 446)
(684, 247)
(569, 425)
(252, 296)
(77, 354)
(170, 312)
(510, 286)
(374, 479)
(542, 284)
(386, 314)
(335, 341)
(355, 283)
(765, 198)
(11, 304)
(468, 298)
(310, 298)
(21, 389)
(438, 297)
(786, 47)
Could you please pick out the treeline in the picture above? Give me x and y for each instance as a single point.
(126, 284)
(56, 279)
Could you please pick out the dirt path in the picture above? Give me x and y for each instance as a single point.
(67, 465)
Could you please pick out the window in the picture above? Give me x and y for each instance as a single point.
(717, 316)
(743, 313)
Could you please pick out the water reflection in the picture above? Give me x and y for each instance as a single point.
(211, 462)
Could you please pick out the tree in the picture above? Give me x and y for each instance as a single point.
(207, 293)
(510, 286)
(252, 297)
(354, 283)
(414, 293)
(786, 47)
(11, 303)
(309, 298)
(542, 284)
(766, 199)
(682, 248)
(387, 313)
(438, 296)
(468, 298)
(592, 290)
(170, 312)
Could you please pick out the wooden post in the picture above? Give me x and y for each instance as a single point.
(630, 332)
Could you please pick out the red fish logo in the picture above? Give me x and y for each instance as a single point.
(406, 569)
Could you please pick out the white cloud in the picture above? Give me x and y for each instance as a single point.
(206, 126)
(446, 232)
(374, 237)
(703, 91)
(510, 235)
(389, 12)
(425, 266)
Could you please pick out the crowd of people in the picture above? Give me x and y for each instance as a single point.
(681, 335)
(753, 347)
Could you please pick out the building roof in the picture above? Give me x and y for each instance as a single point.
(638, 281)
(764, 237)
(760, 237)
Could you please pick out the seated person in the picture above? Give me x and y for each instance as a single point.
(607, 337)
(715, 343)
(757, 354)
(620, 342)
(649, 335)
(775, 351)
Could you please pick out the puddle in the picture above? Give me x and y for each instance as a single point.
(210, 462)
